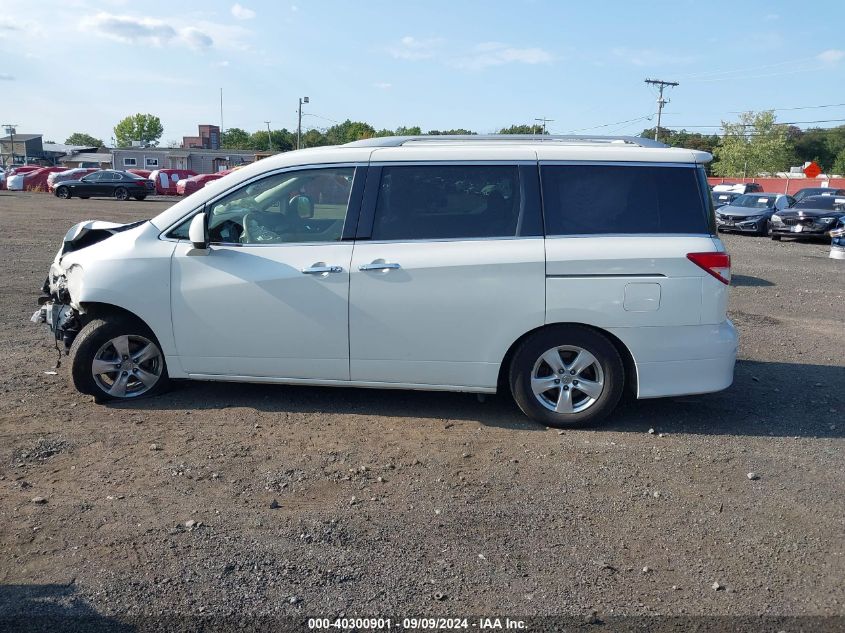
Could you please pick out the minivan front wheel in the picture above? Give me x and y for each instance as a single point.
(117, 359)
(567, 376)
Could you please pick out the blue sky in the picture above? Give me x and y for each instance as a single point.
(81, 65)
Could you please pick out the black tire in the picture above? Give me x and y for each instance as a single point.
(94, 337)
(776, 238)
(63, 193)
(535, 346)
(139, 198)
(121, 193)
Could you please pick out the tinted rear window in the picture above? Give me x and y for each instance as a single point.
(594, 199)
(447, 202)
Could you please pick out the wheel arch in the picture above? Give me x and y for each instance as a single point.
(98, 310)
(627, 358)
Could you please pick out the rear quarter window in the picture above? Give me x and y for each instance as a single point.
(624, 199)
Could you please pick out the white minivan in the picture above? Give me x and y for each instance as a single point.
(562, 269)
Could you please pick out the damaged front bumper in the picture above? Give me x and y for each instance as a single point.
(62, 319)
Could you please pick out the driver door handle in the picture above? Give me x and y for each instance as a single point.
(382, 265)
(322, 270)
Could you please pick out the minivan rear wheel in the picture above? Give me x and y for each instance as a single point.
(117, 358)
(567, 376)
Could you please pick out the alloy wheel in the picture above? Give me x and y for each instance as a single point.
(127, 366)
(567, 379)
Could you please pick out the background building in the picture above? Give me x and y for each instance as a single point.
(202, 161)
(208, 138)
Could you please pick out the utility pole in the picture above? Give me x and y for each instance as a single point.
(269, 138)
(221, 110)
(10, 130)
(299, 125)
(660, 100)
(545, 120)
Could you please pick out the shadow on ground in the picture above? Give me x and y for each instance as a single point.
(761, 402)
(749, 280)
(50, 609)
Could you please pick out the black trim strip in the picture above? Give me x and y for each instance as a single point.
(600, 275)
(353, 210)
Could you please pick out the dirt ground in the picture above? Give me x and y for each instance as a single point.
(411, 503)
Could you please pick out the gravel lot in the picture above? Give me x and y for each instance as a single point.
(410, 503)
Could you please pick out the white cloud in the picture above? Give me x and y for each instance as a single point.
(831, 56)
(410, 47)
(489, 54)
(195, 38)
(136, 30)
(382, 85)
(294, 8)
(242, 13)
(6, 77)
(771, 17)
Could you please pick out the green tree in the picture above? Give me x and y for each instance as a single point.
(522, 129)
(235, 138)
(146, 128)
(349, 131)
(754, 144)
(81, 138)
(838, 166)
(456, 132)
(408, 131)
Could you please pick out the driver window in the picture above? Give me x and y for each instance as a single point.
(307, 205)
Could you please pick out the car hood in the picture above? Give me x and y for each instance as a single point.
(90, 232)
(742, 211)
(810, 213)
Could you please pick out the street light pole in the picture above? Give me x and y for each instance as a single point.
(299, 125)
(269, 138)
(10, 130)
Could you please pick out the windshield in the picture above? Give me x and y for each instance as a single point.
(754, 201)
(821, 202)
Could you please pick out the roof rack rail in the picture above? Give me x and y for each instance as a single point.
(398, 141)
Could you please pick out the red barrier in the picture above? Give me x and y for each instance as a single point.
(783, 185)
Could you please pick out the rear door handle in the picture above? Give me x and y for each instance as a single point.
(322, 270)
(379, 265)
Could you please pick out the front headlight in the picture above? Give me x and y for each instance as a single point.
(827, 220)
(751, 218)
(777, 218)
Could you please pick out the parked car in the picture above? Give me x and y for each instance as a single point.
(187, 186)
(750, 213)
(721, 198)
(165, 179)
(818, 191)
(748, 187)
(36, 180)
(15, 176)
(813, 216)
(106, 183)
(837, 240)
(448, 271)
(69, 174)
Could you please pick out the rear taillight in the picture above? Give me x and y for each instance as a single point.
(717, 264)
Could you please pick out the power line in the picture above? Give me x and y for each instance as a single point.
(544, 120)
(596, 127)
(660, 100)
(750, 124)
(813, 107)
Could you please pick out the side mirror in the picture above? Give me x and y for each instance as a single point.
(197, 233)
